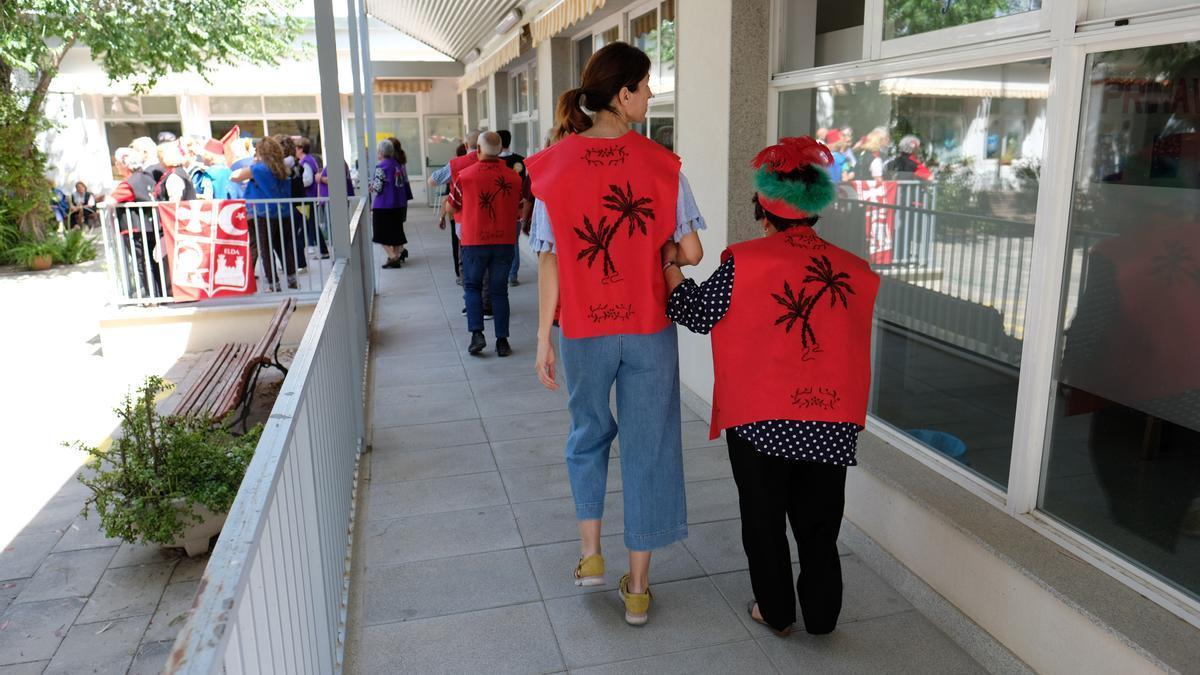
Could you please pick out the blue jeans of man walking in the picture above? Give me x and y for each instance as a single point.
(645, 370)
(496, 259)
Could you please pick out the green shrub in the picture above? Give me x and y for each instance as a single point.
(74, 248)
(26, 250)
(144, 487)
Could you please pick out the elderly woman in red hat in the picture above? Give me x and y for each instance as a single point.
(791, 336)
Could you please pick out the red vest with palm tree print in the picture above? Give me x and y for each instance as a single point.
(491, 193)
(456, 167)
(796, 341)
(611, 203)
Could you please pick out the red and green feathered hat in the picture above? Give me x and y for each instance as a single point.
(787, 196)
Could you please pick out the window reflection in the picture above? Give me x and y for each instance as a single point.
(1124, 463)
(938, 179)
(910, 17)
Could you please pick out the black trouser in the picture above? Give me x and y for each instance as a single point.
(454, 247)
(274, 234)
(812, 496)
(148, 278)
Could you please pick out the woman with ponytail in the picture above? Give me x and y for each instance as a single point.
(607, 201)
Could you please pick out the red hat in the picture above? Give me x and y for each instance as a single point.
(833, 136)
(789, 198)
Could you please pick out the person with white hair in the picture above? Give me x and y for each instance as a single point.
(389, 206)
(908, 165)
(149, 151)
(485, 198)
(174, 185)
(136, 225)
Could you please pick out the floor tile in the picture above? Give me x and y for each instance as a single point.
(32, 668)
(106, 647)
(899, 643)
(145, 554)
(527, 426)
(550, 482)
(384, 399)
(717, 546)
(426, 436)
(683, 615)
(553, 520)
(524, 452)
(437, 375)
(390, 466)
(84, 533)
(127, 591)
(189, 569)
(553, 565)
(425, 412)
(448, 586)
(25, 553)
(514, 639)
(726, 659)
(438, 535)
(9, 590)
(695, 435)
(526, 403)
(712, 500)
(173, 610)
(67, 574)
(435, 495)
(33, 631)
(707, 463)
(151, 658)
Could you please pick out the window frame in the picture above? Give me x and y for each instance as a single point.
(266, 117)
(530, 117)
(1067, 40)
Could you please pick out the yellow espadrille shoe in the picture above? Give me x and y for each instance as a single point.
(590, 571)
(637, 605)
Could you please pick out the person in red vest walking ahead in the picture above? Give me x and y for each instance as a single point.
(791, 344)
(487, 196)
(607, 200)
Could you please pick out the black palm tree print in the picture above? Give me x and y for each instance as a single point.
(487, 202)
(598, 238)
(800, 307)
(633, 211)
(821, 271)
(502, 186)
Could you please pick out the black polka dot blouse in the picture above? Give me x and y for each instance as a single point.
(698, 308)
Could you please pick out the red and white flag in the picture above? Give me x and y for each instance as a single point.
(208, 247)
(881, 220)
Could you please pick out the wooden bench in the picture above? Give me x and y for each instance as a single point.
(228, 378)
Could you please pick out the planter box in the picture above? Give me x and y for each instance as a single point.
(194, 540)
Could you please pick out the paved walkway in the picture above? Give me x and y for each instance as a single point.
(469, 536)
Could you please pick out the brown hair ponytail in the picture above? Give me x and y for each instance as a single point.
(615, 66)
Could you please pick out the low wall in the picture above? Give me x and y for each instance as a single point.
(158, 336)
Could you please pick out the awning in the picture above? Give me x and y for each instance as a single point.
(491, 63)
(384, 85)
(562, 16)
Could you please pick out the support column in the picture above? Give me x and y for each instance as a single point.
(335, 155)
(500, 111)
(359, 137)
(554, 77)
(721, 123)
(364, 35)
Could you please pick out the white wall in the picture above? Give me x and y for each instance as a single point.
(701, 133)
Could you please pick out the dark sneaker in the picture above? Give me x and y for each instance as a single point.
(478, 342)
(514, 282)
(502, 348)
(487, 313)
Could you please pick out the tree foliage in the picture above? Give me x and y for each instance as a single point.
(910, 17)
(135, 41)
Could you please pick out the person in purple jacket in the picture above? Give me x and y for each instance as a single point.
(323, 200)
(389, 208)
(310, 168)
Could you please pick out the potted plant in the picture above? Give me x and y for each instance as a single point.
(167, 480)
(35, 255)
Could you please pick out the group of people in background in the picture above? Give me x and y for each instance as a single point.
(285, 184)
(873, 156)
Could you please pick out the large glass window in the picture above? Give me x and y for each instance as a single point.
(308, 128)
(948, 225)
(911, 17)
(654, 33)
(442, 134)
(246, 128)
(1124, 458)
(130, 117)
(820, 33)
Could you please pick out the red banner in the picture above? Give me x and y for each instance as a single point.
(881, 222)
(208, 246)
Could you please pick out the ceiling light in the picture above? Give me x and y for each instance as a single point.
(509, 20)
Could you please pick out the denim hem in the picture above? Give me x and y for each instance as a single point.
(590, 511)
(653, 540)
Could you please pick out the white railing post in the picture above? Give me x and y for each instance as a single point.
(331, 116)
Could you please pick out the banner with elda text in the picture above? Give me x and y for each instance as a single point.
(208, 247)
